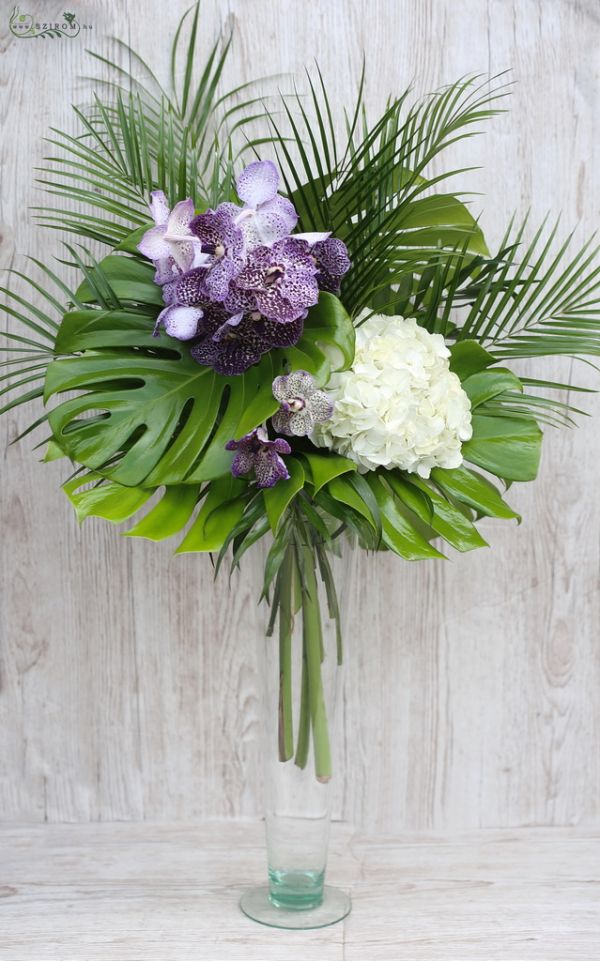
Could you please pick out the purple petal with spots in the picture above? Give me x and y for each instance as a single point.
(190, 289)
(283, 335)
(228, 327)
(180, 322)
(258, 183)
(168, 293)
(275, 220)
(167, 271)
(239, 299)
(332, 255)
(243, 462)
(269, 468)
(183, 254)
(179, 220)
(230, 355)
(256, 452)
(218, 278)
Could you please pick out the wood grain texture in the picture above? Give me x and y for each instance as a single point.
(128, 685)
(127, 892)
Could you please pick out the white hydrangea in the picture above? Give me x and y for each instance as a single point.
(399, 405)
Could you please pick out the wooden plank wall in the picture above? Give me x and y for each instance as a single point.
(128, 686)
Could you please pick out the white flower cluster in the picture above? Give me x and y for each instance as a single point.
(399, 405)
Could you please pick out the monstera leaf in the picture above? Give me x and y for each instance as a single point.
(145, 413)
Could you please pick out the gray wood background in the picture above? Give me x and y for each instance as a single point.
(127, 679)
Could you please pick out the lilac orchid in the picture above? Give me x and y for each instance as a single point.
(255, 452)
(222, 242)
(234, 282)
(302, 404)
(170, 243)
(232, 344)
(266, 217)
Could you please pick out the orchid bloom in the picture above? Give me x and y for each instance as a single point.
(255, 452)
(266, 217)
(170, 243)
(302, 404)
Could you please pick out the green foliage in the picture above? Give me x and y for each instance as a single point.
(150, 426)
(144, 136)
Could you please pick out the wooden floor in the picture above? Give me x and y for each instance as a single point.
(142, 892)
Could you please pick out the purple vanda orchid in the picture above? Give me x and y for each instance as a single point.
(235, 283)
(278, 281)
(256, 453)
(266, 217)
(222, 243)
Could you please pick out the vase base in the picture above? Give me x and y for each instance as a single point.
(256, 904)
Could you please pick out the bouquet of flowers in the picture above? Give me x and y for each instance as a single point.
(295, 335)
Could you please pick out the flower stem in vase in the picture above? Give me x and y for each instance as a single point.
(312, 639)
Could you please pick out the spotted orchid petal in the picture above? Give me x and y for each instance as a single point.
(167, 271)
(275, 220)
(258, 183)
(228, 326)
(179, 220)
(180, 322)
(255, 452)
(159, 207)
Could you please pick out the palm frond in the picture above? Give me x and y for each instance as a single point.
(372, 190)
(542, 302)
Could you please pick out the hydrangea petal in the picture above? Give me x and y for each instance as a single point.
(399, 405)
(258, 183)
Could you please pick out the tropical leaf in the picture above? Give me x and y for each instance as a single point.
(146, 413)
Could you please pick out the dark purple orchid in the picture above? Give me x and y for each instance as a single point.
(302, 404)
(277, 281)
(331, 257)
(235, 283)
(222, 242)
(230, 344)
(255, 452)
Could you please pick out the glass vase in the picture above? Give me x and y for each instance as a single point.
(299, 675)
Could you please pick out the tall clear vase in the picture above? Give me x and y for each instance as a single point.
(300, 665)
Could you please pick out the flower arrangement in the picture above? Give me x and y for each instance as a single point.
(296, 335)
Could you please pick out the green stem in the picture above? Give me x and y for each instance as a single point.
(286, 628)
(313, 645)
(304, 720)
